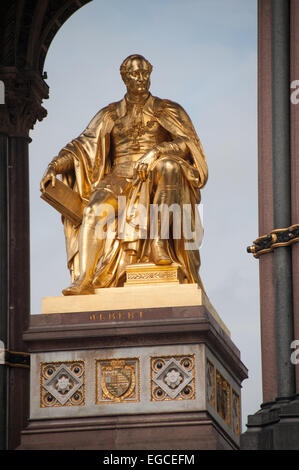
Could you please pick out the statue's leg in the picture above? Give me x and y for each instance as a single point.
(166, 187)
(101, 208)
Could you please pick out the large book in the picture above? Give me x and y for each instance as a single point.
(64, 200)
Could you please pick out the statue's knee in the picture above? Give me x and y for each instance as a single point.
(89, 215)
(168, 166)
(105, 212)
(99, 209)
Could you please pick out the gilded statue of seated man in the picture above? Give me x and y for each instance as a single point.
(142, 150)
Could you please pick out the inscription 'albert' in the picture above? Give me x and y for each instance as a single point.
(115, 316)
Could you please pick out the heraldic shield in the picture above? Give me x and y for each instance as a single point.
(118, 380)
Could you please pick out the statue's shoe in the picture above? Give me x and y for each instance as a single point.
(79, 288)
(159, 253)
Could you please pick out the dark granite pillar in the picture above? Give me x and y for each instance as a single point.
(14, 296)
(3, 286)
(282, 193)
(265, 189)
(23, 96)
(276, 424)
(19, 283)
(295, 167)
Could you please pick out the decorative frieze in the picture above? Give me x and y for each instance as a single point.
(149, 273)
(172, 379)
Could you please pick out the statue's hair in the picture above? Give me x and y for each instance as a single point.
(125, 65)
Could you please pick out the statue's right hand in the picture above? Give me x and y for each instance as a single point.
(49, 175)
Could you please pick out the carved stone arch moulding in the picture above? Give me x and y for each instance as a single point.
(27, 30)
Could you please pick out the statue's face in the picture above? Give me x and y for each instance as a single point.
(137, 78)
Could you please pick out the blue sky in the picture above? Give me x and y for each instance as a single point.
(204, 54)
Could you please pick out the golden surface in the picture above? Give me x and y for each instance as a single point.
(143, 148)
(141, 274)
(116, 299)
(64, 200)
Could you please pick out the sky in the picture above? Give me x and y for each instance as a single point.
(204, 56)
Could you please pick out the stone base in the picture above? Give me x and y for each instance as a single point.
(274, 427)
(156, 378)
(182, 431)
(133, 298)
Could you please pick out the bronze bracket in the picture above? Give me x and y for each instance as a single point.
(275, 239)
(14, 358)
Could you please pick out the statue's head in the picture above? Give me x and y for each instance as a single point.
(135, 71)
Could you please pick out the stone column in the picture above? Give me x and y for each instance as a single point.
(295, 167)
(3, 285)
(265, 189)
(19, 282)
(276, 424)
(282, 193)
(24, 92)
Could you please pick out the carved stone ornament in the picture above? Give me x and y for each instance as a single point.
(118, 381)
(173, 378)
(62, 384)
(24, 93)
(210, 377)
(236, 413)
(223, 391)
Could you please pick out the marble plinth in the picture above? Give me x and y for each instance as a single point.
(141, 377)
(130, 298)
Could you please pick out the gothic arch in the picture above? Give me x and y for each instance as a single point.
(27, 28)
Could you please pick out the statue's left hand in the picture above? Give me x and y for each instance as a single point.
(49, 175)
(143, 164)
